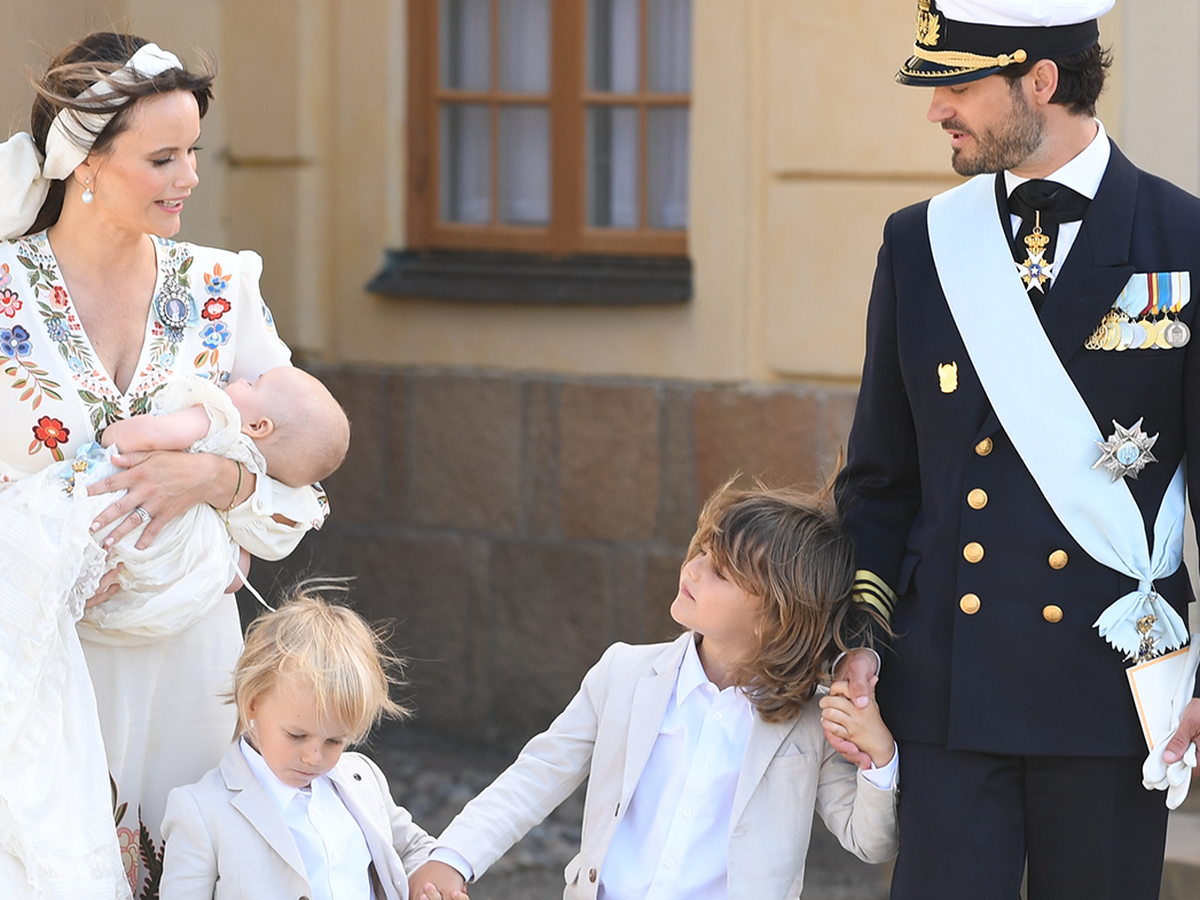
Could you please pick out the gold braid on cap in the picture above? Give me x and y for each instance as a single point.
(955, 59)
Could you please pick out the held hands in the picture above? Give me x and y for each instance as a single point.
(436, 881)
(845, 723)
(859, 669)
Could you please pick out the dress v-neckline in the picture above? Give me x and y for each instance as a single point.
(100, 370)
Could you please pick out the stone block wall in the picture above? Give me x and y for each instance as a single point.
(512, 526)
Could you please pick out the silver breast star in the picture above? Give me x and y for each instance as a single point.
(1127, 452)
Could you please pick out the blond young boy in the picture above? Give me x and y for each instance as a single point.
(287, 813)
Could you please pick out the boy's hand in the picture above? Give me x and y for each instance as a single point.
(843, 721)
(436, 881)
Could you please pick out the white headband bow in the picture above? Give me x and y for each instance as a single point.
(25, 179)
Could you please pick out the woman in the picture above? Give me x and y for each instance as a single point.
(97, 308)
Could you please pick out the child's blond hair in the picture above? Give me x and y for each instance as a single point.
(793, 551)
(331, 648)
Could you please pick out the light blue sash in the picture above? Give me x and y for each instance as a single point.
(1044, 416)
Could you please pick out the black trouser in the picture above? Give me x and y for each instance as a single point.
(969, 822)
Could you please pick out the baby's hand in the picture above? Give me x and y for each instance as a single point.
(436, 881)
(842, 720)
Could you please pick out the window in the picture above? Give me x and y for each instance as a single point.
(550, 126)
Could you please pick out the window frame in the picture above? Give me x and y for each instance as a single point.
(568, 232)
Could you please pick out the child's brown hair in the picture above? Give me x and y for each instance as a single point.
(332, 648)
(792, 550)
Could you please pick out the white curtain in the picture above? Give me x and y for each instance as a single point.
(670, 48)
(525, 46)
(466, 171)
(465, 44)
(525, 165)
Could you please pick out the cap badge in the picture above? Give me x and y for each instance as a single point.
(929, 24)
(1126, 452)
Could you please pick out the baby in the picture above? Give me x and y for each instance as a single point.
(287, 813)
(705, 757)
(285, 423)
(56, 818)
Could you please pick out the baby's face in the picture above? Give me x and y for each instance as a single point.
(292, 739)
(267, 395)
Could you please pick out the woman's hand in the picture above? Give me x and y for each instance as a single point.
(165, 484)
(109, 585)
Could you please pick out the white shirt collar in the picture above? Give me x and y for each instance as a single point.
(692, 676)
(281, 794)
(1083, 173)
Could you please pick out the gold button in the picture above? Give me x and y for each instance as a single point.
(977, 499)
(1052, 614)
(592, 876)
(969, 604)
(973, 552)
(1058, 559)
(984, 447)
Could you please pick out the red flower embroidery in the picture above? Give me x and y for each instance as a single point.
(214, 308)
(51, 432)
(58, 297)
(9, 303)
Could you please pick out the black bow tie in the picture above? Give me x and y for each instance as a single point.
(1050, 198)
(1042, 206)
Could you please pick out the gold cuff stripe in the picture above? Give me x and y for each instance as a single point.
(870, 589)
(874, 602)
(956, 59)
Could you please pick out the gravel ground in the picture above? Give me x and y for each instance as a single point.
(434, 778)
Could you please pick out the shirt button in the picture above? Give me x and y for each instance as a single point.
(717, 716)
(687, 813)
(704, 764)
(1058, 559)
(592, 876)
(973, 552)
(670, 863)
(969, 604)
(984, 447)
(977, 499)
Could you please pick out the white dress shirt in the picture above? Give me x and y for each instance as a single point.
(1083, 174)
(335, 853)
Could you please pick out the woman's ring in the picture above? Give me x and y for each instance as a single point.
(142, 514)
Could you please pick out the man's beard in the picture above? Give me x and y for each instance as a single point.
(1019, 136)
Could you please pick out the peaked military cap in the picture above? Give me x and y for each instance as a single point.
(964, 40)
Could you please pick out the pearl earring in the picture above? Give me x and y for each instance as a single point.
(88, 196)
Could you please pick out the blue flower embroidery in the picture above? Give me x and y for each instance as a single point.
(214, 335)
(14, 342)
(57, 330)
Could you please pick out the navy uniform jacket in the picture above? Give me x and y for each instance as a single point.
(1006, 679)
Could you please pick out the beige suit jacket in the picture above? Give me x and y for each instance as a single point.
(607, 733)
(226, 840)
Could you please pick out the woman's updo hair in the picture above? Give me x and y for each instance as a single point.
(93, 59)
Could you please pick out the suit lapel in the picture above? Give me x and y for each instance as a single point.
(650, 699)
(763, 745)
(1098, 266)
(252, 801)
(365, 811)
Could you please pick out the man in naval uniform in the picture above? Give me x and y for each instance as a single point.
(1014, 479)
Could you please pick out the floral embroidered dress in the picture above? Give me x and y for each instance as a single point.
(164, 723)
